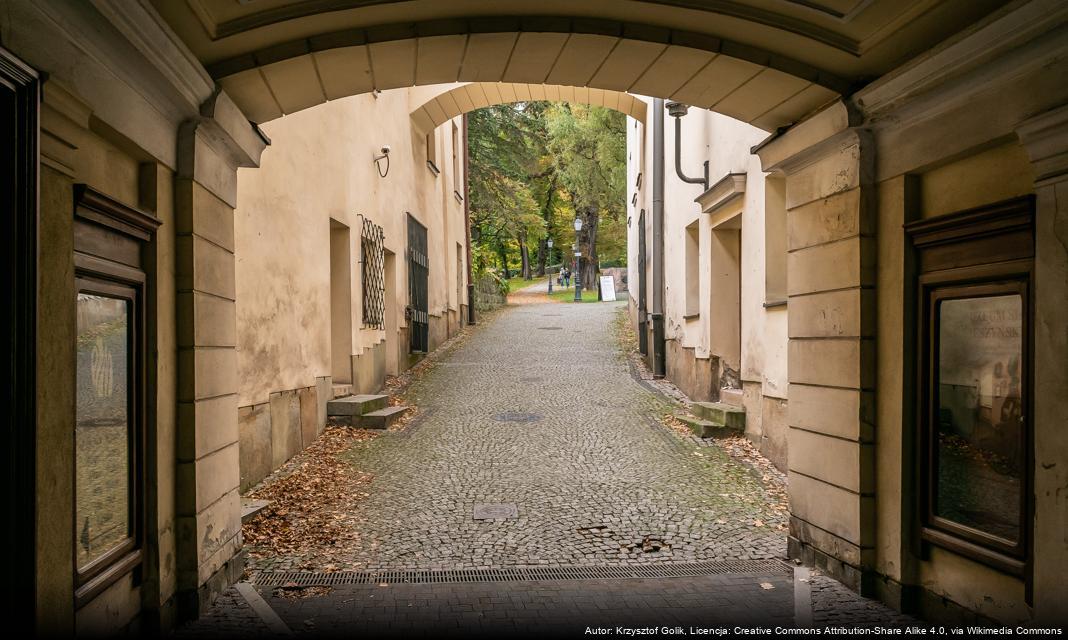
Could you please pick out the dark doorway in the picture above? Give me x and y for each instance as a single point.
(19, 93)
(418, 276)
(643, 337)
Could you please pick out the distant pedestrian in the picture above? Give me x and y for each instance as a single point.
(567, 277)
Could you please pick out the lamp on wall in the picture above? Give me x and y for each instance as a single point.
(383, 156)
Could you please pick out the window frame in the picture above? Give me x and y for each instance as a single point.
(122, 558)
(982, 252)
(111, 240)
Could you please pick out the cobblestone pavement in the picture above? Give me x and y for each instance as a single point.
(538, 409)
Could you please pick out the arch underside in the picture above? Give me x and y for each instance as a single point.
(754, 87)
(476, 95)
(768, 64)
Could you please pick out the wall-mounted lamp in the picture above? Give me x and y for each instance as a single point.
(677, 110)
(379, 158)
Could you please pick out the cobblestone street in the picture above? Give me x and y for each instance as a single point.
(538, 410)
(535, 447)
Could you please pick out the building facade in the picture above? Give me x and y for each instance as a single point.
(922, 154)
(324, 270)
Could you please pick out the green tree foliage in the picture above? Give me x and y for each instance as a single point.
(532, 166)
(589, 150)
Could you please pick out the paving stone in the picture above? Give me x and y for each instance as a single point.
(596, 482)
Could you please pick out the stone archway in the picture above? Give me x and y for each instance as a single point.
(468, 97)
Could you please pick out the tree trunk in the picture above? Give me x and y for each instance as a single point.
(524, 255)
(589, 249)
(547, 214)
(502, 253)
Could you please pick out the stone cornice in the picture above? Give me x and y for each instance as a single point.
(967, 53)
(146, 30)
(727, 189)
(1045, 137)
(817, 129)
(810, 155)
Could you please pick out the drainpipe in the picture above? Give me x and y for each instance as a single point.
(657, 315)
(677, 110)
(467, 225)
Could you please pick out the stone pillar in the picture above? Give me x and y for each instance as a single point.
(1046, 139)
(827, 164)
(208, 523)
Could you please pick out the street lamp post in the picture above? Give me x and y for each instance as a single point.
(578, 262)
(549, 244)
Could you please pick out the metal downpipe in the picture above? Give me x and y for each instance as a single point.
(657, 314)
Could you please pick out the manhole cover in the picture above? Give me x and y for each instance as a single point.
(496, 511)
(550, 328)
(515, 416)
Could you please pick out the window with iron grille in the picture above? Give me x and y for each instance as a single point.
(372, 263)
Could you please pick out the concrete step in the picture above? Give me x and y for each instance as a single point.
(342, 390)
(728, 415)
(250, 507)
(704, 428)
(380, 419)
(731, 396)
(356, 405)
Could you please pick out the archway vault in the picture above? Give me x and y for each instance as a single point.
(765, 91)
(768, 64)
(476, 95)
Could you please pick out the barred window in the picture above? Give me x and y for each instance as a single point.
(372, 263)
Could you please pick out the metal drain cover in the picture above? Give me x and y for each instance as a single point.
(515, 416)
(495, 511)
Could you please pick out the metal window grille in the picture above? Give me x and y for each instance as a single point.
(373, 268)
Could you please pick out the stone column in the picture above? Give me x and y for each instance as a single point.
(827, 164)
(208, 523)
(1046, 139)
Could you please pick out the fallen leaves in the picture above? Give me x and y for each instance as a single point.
(311, 503)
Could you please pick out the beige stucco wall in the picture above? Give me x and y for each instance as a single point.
(732, 325)
(319, 168)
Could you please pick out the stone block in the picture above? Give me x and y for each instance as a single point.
(836, 510)
(843, 463)
(826, 220)
(356, 405)
(309, 416)
(323, 394)
(837, 170)
(254, 424)
(213, 369)
(208, 321)
(199, 212)
(285, 427)
(721, 413)
(845, 413)
(215, 534)
(204, 266)
(211, 425)
(382, 418)
(204, 481)
(838, 362)
(833, 314)
(836, 265)
(774, 427)
(836, 547)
